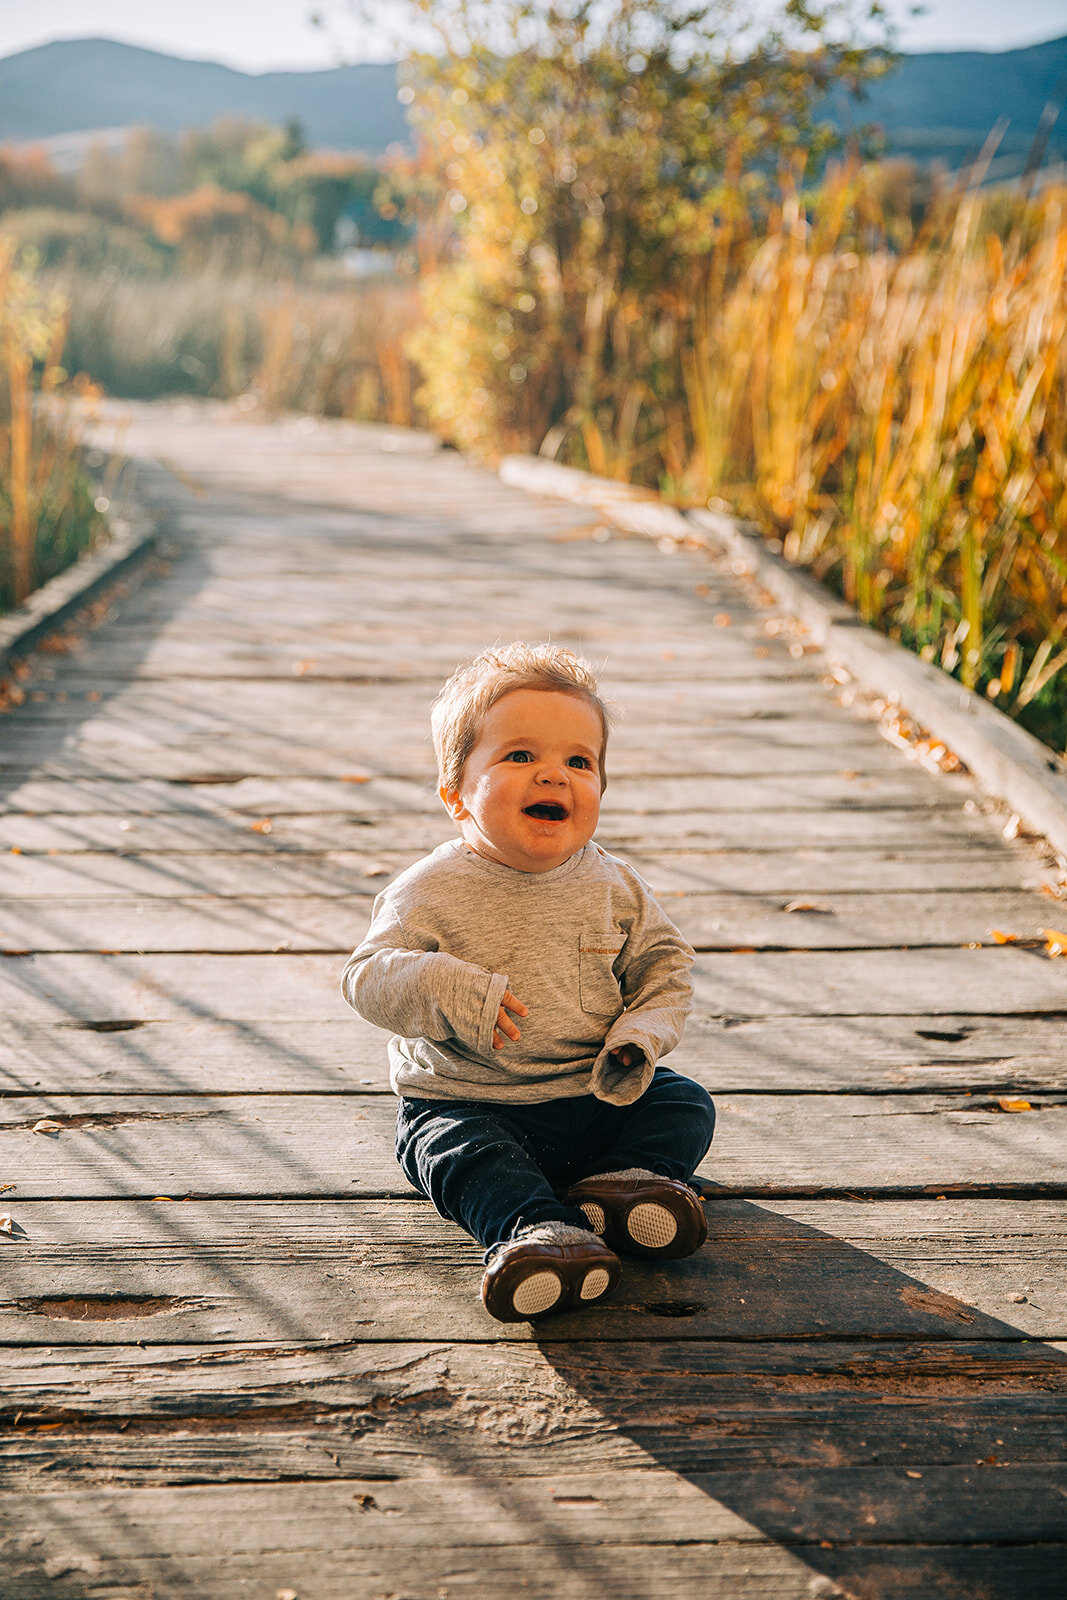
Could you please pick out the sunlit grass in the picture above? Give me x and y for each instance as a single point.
(331, 348)
(47, 518)
(899, 420)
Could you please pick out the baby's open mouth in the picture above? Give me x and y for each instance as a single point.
(546, 811)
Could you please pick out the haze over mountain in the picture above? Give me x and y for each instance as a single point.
(75, 85)
(933, 106)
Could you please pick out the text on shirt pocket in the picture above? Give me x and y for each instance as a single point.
(598, 986)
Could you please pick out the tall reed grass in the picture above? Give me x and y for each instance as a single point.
(47, 515)
(899, 420)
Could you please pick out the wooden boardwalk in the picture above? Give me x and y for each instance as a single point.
(239, 1357)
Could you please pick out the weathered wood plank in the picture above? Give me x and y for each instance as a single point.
(537, 1570)
(370, 792)
(235, 1271)
(196, 1413)
(800, 874)
(378, 704)
(218, 653)
(996, 982)
(635, 1572)
(89, 747)
(867, 1506)
(335, 1145)
(710, 922)
(996, 1055)
(415, 834)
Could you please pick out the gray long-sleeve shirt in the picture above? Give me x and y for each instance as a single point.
(584, 946)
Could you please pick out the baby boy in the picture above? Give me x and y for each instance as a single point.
(532, 983)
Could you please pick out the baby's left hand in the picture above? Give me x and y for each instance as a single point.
(627, 1055)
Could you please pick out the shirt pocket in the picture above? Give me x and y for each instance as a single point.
(598, 986)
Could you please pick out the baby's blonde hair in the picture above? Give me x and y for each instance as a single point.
(476, 686)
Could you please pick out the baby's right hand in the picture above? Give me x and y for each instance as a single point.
(505, 1028)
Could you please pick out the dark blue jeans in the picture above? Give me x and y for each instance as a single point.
(495, 1168)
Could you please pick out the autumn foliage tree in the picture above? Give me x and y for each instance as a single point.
(593, 164)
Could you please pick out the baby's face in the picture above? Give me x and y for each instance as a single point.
(530, 792)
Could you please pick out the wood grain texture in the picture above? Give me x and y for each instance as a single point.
(314, 1144)
(236, 1271)
(178, 1413)
(740, 984)
(958, 1053)
(228, 925)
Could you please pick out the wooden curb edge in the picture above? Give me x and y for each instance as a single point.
(1009, 763)
(135, 530)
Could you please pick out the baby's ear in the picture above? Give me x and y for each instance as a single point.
(452, 801)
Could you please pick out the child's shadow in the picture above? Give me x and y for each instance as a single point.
(803, 1393)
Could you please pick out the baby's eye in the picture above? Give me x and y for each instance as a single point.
(579, 761)
(518, 755)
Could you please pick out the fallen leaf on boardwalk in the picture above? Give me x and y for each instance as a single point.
(46, 1125)
(7, 1223)
(1055, 942)
(808, 905)
(300, 667)
(910, 1474)
(376, 869)
(14, 851)
(586, 530)
(1007, 1104)
(355, 777)
(4, 1187)
(722, 619)
(162, 1197)
(1003, 938)
(264, 825)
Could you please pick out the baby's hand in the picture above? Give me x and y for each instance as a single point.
(506, 1029)
(628, 1055)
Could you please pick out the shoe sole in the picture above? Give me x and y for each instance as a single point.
(544, 1290)
(648, 1227)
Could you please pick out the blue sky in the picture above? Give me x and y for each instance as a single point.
(256, 35)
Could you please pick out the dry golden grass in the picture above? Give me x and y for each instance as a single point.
(46, 513)
(331, 348)
(900, 420)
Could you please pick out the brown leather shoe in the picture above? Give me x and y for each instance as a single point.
(547, 1270)
(641, 1214)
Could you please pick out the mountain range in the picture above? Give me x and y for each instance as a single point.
(933, 106)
